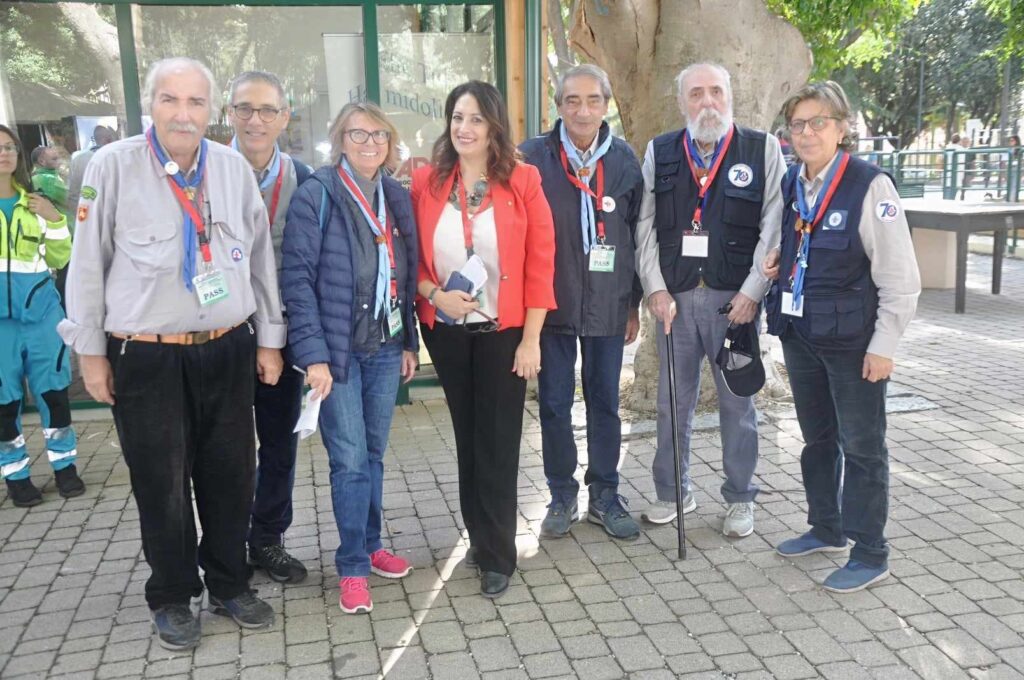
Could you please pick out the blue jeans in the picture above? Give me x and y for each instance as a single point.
(602, 365)
(354, 423)
(845, 462)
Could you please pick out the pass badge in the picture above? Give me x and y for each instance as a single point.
(695, 244)
(394, 320)
(787, 305)
(607, 204)
(602, 258)
(210, 287)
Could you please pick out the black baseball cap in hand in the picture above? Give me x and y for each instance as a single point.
(740, 360)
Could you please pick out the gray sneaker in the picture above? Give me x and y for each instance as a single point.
(561, 514)
(663, 512)
(246, 609)
(176, 627)
(739, 520)
(608, 510)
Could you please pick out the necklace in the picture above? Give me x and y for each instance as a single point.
(475, 196)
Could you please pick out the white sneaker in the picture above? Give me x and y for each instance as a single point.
(739, 520)
(663, 512)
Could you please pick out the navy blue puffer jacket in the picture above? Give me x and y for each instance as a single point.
(318, 271)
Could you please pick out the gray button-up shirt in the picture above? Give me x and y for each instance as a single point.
(125, 274)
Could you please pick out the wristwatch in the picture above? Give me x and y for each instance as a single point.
(430, 298)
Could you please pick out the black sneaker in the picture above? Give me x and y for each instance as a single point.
(23, 493)
(278, 564)
(493, 585)
(247, 610)
(69, 484)
(175, 626)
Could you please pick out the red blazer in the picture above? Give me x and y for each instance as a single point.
(526, 242)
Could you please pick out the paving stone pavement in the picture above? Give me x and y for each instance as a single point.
(72, 573)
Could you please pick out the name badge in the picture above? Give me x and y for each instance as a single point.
(210, 287)
(787, 305)
(602, 258)
(395, 320)
(695, 245)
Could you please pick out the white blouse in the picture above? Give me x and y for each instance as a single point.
(450, 254)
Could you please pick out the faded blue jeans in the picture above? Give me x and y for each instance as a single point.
(354, 422)
(845, 462)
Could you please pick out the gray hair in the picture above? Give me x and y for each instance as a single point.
(689, 71)
(589, 70)
(157, 70)
(265, 77)
(831, 95)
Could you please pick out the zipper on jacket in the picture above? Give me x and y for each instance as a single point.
(60, 357)
(31, 293)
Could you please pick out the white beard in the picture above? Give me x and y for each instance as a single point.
(709, 126)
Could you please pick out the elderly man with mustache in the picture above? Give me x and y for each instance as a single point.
(174, 308)
(711, 211)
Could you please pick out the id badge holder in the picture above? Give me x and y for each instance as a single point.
(394, 320)
(602, 258)
(210, 286)
(787, 305)
(695, 242)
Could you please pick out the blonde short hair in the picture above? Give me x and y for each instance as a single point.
(375, 113)
(831, 94)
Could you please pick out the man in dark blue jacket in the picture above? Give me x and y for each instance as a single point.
(593, 184)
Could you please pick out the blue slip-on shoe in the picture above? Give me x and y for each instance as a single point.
(855, 576)
(561, 514)
(807, 544)
(608, 510)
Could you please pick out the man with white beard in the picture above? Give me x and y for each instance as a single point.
(711, 210)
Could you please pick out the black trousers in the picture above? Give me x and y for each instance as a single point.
(184, 417)
(486, 400)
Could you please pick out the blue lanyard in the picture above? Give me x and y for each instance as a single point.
(810, 216)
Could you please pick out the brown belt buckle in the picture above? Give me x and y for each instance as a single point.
(200, 337)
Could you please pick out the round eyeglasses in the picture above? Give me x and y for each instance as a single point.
(818, 123)
(360, 136)
(268, 114)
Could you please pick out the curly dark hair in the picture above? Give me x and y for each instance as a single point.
(502, 155)
(21, 176)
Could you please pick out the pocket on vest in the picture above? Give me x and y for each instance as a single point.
(835, 317)
(664, 204)
(741, 207)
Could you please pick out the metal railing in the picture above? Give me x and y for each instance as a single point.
(976, 174)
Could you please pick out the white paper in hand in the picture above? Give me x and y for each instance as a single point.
(310, 415)
(475, 271)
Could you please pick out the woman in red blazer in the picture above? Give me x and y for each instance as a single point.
(476, 201)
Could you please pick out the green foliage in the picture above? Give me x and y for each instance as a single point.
(39, 46)
(831, 28)
(1011, 14)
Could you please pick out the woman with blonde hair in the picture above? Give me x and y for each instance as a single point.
(348, 281)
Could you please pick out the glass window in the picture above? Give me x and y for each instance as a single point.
(425, 51)
(55, 87)
(294, 43)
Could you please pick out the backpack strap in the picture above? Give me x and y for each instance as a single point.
(323, 208)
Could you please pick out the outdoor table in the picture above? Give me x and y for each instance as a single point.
(964, 219)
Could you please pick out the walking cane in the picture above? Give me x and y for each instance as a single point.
(680, 523)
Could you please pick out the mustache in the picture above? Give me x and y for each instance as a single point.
(709, 125)
(182, 127)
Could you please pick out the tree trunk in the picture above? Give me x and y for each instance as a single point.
(643, 45)
(100, 40)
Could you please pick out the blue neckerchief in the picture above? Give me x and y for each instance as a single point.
(808, 214)
(588, 215)
(188, 264)
(274, 169)
(698, 160)
(383, 261)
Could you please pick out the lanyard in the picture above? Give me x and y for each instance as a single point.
(582, 186)
(809, 219)
(379, 222)
(706, 178)
(189, 202)
(467, 221)
(274, 198)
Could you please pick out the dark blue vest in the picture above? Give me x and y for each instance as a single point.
(732, 214)
(840, 299)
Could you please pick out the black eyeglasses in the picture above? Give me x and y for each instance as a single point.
(818, 123)
(360, 136)
(268, 114)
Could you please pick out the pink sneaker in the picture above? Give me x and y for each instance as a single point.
(355, 595)
(389, 565)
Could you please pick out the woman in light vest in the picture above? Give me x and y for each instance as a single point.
(846, 288)
(34, 238)
(348, 279)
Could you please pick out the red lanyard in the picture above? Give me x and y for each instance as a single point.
(192, 209)
(582, 186)
(384, 229)
(805, 229)
(467, 221)
(705, 180)
(276, 195)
